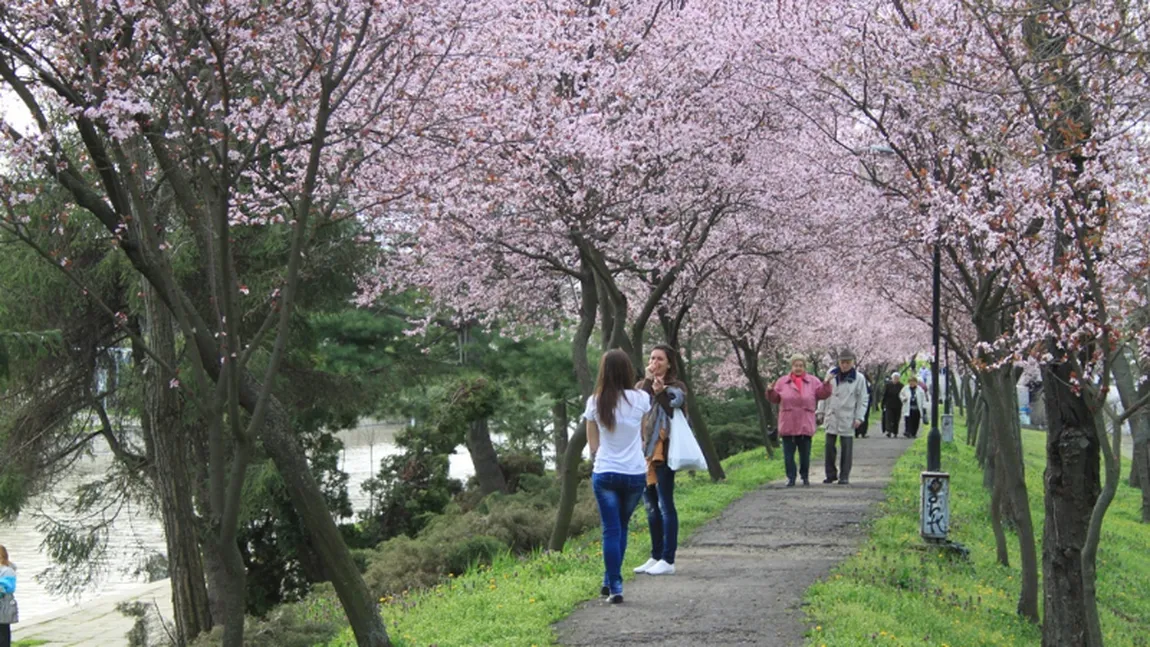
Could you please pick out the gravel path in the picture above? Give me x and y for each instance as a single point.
(741, 578)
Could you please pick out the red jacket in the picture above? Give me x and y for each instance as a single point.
(797, 410)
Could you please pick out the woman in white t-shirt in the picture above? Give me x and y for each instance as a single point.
(614, 418)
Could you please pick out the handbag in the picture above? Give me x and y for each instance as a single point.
(683, 451)
(9, 610)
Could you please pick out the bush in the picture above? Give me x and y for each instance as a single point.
(288, 625)
(735, 437)
(456, 540)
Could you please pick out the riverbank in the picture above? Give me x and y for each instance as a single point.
(97, 623)
(894, 592)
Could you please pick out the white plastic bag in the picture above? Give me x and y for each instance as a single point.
(683, 451)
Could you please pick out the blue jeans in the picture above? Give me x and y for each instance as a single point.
(662, 518)
(618, 495)
(803, 444)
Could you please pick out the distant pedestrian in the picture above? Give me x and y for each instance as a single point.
(843, 412)
(891, 404)
(614, 416)
(860, 431)
(797, 394)
(914, 405)
(669, 394)
(9, 612)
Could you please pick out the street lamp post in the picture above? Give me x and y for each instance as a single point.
(934, 438)
(934, 506)
(935, 501)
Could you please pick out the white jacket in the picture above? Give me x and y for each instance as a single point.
(920, 396)
(848, 402)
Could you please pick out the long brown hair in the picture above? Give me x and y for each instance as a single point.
(672, 375)
(616, 375)
(4, 556)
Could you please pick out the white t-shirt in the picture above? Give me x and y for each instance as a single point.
(621, 448)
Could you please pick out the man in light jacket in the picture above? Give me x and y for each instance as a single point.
(843, 412)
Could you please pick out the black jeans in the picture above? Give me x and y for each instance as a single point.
(5, 635)
(662, 517)
(912, 422)
(803, 444)
(890, 417)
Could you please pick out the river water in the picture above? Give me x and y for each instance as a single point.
(136, 533)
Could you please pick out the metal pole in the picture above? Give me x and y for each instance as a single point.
(949, 376)
(934, 438)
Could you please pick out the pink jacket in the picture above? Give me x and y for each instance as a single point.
(797, 413)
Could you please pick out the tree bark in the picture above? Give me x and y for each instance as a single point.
(574, 455)
(1072, 488)
(560, 424)
(485, 458)
(758, 388)
(1010, 475)
(1002, 555)
(1125, 378)
(285, 451)
(170, 453)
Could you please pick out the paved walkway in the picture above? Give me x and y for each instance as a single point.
(741, 578)
(97, 623)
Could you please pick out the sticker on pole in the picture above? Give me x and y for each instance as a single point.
(934, 508)
(947, 428)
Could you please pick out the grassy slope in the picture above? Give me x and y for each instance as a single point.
(895, 593)
(516, 600)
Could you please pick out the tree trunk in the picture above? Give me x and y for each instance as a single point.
(1002, 423)
(1125, 379)
(560, 423)
(758, 388)
(699, 426)
(485, 458)
(233, 593)
(974, 421)
(290, 460)
(1071, 490)
(571, 461)
(170, 451)
(574, 454)
(694, 413)
(1002, 555)
(1112, 462)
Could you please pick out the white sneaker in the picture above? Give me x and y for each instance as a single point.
(646, 566)
(661, 568)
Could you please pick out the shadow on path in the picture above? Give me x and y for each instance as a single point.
(740, 579)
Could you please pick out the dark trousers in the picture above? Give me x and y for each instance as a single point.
(842, 473)
(617, 495)
(5, 635)
(662, 517)
(803, 444)
(912, 422)
(890, 417)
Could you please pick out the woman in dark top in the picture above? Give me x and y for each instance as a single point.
(892, 405)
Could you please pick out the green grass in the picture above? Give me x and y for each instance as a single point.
(29, 643)
(893, 592)
(516, 600)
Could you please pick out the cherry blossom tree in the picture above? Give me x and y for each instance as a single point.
(1014, 124)
(607, 147)
(172, 125)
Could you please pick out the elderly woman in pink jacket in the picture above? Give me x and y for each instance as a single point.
(797, 394)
